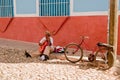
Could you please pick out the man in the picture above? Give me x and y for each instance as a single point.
(46, 47)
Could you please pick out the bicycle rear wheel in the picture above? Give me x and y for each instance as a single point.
(105, 58)
(73, 53)
(110, 58)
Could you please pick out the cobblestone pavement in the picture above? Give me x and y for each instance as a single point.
(15, 66)
(51, 70)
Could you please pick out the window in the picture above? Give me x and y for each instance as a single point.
(6, 8)
(54, 7)
(89, 7)
(94, 5)
(26, 8)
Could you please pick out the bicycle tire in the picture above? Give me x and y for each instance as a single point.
(109, 58)
(73, 52)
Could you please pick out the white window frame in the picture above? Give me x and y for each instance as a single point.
(26, 15)
(95, 13)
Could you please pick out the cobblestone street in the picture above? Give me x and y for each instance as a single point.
(51, 71)
(15, 66)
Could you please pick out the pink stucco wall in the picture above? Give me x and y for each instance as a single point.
(64, 29)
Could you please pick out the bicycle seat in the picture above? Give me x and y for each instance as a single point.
(100, 44)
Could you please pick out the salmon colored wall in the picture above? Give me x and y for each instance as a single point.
(64, 29)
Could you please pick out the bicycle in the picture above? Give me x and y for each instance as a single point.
(74, 53)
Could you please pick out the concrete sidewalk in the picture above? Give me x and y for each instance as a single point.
(18, 44)
(21, 46)
(15, 46)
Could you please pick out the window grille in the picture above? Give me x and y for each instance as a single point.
(6, 8)
(54, 7)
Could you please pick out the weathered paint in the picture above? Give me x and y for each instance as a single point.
(32, 29)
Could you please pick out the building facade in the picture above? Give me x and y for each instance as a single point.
(27, 20)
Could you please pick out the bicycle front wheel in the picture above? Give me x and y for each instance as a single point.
(73, 53)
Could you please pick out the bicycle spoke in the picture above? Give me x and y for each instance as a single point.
(73, 53)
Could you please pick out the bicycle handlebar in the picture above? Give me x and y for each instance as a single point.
(84, 37)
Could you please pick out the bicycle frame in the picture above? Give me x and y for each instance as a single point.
(98, 49)
(82, 42)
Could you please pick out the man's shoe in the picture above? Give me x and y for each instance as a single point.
(44, 57)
